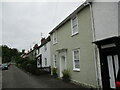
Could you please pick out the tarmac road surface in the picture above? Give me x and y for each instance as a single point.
(16, 78)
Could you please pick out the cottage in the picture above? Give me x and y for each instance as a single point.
(72, 47)
(43, 55)
(31, 55)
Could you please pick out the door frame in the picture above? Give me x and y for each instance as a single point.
(104, 65)
(109, 46)
(62, 53)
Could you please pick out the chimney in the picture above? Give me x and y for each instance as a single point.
(31, 49)
(23, 51)
(36, 45)
(43, 40)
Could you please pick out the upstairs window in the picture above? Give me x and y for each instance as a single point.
(54, 37)
(76, 60)
(74, 25)
(45, 47)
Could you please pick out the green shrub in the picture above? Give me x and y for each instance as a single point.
(54, 71)
(27, 67)
(24, 65)
(66, 75)
(31, 68)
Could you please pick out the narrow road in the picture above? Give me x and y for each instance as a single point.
(16, 78)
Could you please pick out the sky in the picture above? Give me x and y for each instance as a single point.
(21, 23)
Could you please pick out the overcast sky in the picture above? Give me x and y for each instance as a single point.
(23, 22)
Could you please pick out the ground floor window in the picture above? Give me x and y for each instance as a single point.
(76, 59)
(45, 61)
(54, 60)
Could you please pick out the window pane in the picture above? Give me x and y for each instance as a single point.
(74, 25)
(45, 47)
(54, 37)
(76, 54)
(55, 61)
(77, 65)
(75, 29)
(45, 61)
(74, 21)
(76, 59)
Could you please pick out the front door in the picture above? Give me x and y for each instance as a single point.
(113, 68)
(62, 63)
(109, 49)
(109, 69)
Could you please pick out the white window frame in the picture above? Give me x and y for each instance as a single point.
(54, 36)
(76, 69)
(72, 25)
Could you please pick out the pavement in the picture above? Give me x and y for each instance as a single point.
(16, 78)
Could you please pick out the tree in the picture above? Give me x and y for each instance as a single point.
(5, 54)
(8, 54)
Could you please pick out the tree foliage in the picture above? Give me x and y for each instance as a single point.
(8, 54)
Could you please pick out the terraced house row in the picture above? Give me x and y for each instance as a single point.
(87, 43)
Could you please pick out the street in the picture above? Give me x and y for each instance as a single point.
(16, 78)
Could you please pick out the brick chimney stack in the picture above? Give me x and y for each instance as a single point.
(36, 45)
(30, 49)
(43, 40)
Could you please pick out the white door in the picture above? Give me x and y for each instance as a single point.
(113, 60)
(62, 63)
(116, 64)
(111, 72)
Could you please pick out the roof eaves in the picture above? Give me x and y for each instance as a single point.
(69, 17)
(46, 41)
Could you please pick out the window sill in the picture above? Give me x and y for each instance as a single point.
(74, 34)
(78, 70)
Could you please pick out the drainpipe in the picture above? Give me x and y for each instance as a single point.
(99, 82)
